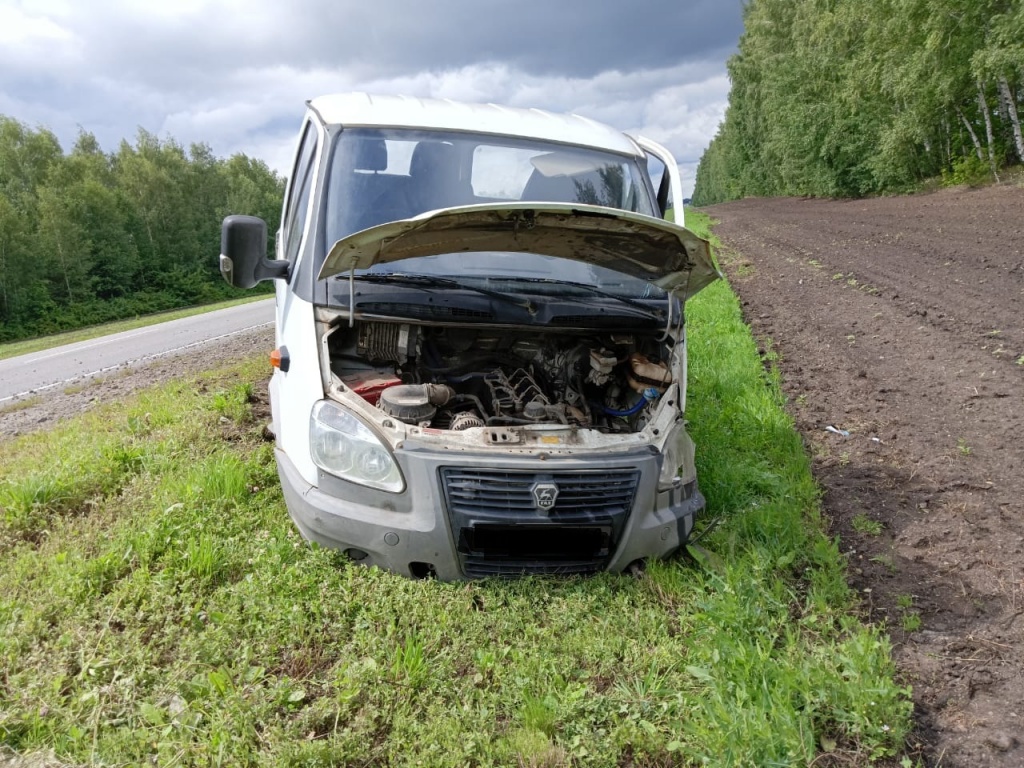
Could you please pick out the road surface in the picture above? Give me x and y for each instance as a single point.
(39, 372)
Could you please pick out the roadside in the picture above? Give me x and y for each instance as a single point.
(38, 344)
(901, 322)
(41, 412)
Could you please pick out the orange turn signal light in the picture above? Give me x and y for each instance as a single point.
(279, 359)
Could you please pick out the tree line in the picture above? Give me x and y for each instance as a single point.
(88, 236)
(847, 98)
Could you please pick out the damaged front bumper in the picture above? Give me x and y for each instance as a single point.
(474, 516)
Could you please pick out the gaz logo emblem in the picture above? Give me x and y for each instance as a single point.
(544, 496)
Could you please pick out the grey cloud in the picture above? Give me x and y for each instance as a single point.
(568, 37)
(577, 38)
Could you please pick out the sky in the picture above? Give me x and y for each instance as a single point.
(235, 74)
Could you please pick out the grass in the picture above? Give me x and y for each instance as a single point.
(910, 619)
(233, 403)
(20, 405)
(866, 526)
(157, 606)
(27, 346)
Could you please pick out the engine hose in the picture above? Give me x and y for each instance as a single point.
(465, 377)
(650, 394)
(471, 399)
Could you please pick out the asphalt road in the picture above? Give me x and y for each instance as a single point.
(40, 371)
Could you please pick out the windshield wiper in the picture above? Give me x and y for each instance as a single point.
(432, 281)
(654, 313)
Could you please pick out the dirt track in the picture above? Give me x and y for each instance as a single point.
(901, 320)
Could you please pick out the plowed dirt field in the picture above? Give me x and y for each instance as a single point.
(900, 321)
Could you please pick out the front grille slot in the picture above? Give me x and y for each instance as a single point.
(482, 567)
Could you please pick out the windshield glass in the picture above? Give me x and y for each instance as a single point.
(379, 175)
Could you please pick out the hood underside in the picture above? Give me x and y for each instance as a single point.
(659, 252)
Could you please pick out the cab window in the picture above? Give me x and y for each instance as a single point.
(298, 193)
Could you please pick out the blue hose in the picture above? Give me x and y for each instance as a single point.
(649, 395)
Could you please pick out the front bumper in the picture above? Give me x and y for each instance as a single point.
(465, 516)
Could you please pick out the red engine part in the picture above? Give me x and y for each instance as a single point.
(369, 384)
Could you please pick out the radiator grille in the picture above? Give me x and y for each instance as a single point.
(580, 494)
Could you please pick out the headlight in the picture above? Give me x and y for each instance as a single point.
(677, 466)
(345, 447)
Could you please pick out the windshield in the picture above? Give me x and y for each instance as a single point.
(379, 175)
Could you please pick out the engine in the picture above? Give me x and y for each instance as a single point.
(459, 378)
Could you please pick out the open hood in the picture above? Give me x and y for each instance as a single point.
(660, 252)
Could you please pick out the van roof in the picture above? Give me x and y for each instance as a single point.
(364, 109)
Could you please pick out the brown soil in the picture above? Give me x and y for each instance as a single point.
(901, 320)
(42, 411)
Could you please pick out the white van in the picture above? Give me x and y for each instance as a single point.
(481, 348)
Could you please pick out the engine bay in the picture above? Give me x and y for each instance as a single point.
(454, 378)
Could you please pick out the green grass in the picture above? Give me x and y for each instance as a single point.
(910, 618)
(157, 606)
(866, 526)
(20, 405)
(40, 343)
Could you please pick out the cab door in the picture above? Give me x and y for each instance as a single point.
(294, 391)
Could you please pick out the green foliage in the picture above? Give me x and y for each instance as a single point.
(865, 97)
(234, 404)
(910, 618)
(88, 237)
(969, 170)
(911, 621)
(866, 526)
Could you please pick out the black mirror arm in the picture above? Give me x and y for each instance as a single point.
(277, 269)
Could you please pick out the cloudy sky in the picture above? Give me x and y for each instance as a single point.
(235, 74)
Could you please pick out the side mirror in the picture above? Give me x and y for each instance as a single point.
(243, 253)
